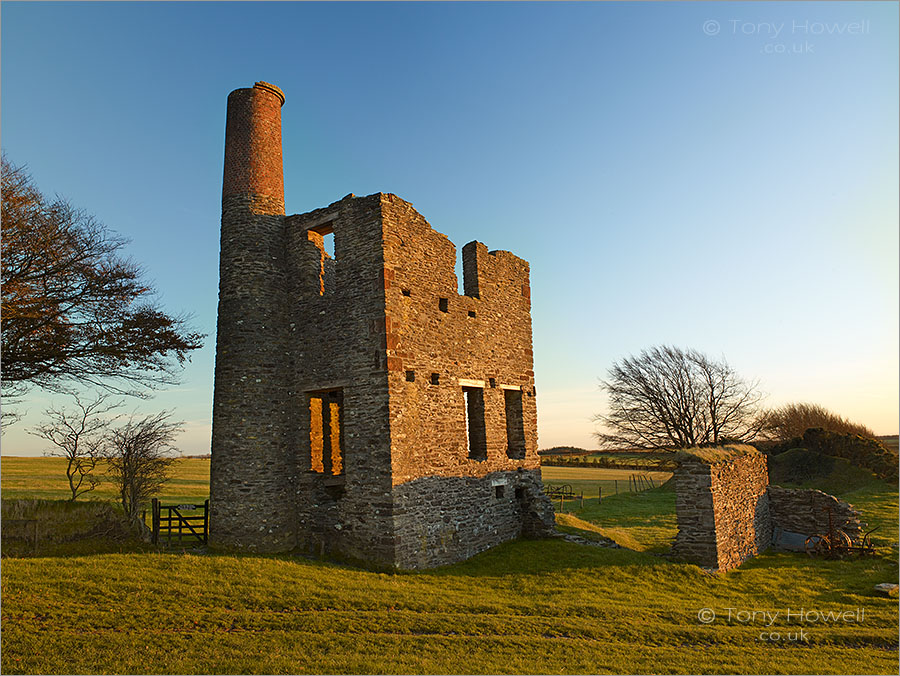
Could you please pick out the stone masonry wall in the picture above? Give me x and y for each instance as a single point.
(337, 332)
(805, 511)
(439, 342)
(723, 510)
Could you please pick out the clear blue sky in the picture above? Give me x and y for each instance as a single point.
(728, 186)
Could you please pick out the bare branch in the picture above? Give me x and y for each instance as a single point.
(136, 458)
(74, 310)
(667, 397)
(78, 435)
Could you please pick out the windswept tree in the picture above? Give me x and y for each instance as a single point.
(792, 420)
(75, 312)
(78, 435)
(667, 397)
(137, 458)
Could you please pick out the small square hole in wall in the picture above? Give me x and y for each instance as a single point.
(499, 491)
(493, 382)
(520, 492)
(435, 378)
(410, 376)
(444, 304)
(406, 292)
(471, 313)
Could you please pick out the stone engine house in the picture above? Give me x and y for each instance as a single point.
(362, 406)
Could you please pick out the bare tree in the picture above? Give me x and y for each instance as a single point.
(74, 311)
(667, 397)
(792, 420)
(137, 460)
(78, 436)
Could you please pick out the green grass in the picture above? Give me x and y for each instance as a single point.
(642, 521)
(524, 607)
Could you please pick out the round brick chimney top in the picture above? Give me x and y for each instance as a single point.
(271, 88)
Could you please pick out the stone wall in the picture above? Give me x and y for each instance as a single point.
(806, 511)
(722, 507)
(440, 344)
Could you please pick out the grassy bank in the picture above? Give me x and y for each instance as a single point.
(524, 607)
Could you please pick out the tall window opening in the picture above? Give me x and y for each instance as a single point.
(328, 267)
(326, 427)
(475, 432)
(515, 424)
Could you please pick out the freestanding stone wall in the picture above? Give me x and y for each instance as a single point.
(722, 506)
(363, 407)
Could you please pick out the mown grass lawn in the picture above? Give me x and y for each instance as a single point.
(525, 607)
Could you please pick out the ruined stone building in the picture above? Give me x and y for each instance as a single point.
(362, 406)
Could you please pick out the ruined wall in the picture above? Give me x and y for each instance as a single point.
(806, 511)
(723, 508)
(337, 332)
(450, 505)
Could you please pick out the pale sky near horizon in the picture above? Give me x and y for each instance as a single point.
(722, 176)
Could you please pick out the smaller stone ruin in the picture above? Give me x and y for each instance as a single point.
(800, 510)
(728, 512)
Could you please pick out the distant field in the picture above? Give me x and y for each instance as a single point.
(46, 478)
(589, 479)
(892, 443)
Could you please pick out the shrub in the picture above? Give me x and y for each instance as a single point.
(792, 420)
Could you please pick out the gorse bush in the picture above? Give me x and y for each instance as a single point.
(792, 420)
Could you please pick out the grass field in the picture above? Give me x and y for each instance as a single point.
(46, 478)
(524, 607)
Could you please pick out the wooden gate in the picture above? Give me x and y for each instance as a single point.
(173, 527)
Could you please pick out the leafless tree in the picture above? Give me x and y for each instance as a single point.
(792, 420)
(78, 435)
(667, 397)
(137, 461)
(74, 311)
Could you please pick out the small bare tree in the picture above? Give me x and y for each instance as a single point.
(667, 397)
(78, 435)
(137, 461)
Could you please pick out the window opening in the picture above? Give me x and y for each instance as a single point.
(475, 432)
(326, 425)
(515, 424)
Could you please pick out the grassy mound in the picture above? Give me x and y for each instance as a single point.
(809, 469)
